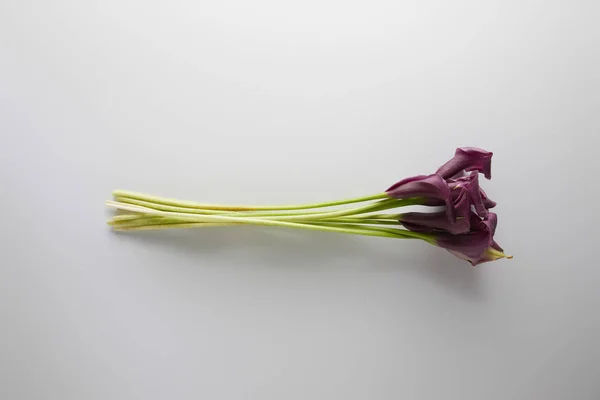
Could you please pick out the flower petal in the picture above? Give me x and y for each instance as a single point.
(476, 246)
(430, 187)
(434, 221)
(477, 196)
(467, 159)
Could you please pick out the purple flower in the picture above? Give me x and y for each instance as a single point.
(434, 221)
(465, 193)
(478, 245)
(467, 159)
(432, 188)
(441, 221)
(477, 196)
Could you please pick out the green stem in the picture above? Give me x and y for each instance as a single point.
(176, 225)
(136, 220)
(378, 206)
(392, 217)
(187, 210)
(363, 221)
(394, 231)
(139, 220)
(356, 230)
(204, 206)
(319, 227)
(381, 205)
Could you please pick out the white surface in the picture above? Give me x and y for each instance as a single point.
(255, 102)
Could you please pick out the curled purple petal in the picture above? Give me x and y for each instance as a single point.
(467, 159)
(477, 197)
(439, 221)
(432, 188)
(476, 246)
(471, 185)
(434, 221)
(428, 186)
(461, 201)
(490, 223)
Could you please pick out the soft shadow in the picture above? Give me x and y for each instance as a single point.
(453, 273)
(273, 248)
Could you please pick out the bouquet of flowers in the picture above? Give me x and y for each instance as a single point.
(459, 220)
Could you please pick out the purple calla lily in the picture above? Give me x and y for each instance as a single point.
(465, 193)
(440, 221)
(478, 245)
(432, 222)
(432, 188)
(477, 196)
(467, 159)
(470, 183)
(463, 225)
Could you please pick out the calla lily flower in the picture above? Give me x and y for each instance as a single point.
(440, 221)
(434, 221)
(476, 195)
(432, 188)
(478, 245)
(464, 227)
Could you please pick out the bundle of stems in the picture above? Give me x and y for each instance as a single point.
(368, 215)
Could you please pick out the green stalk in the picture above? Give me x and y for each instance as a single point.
(379, 206)
(357, 230)
(354, 230)
(136, 220)
(143, 220)
(205, 206)
(392, 217)
(178, 225)
(362, 221)
(188, 210)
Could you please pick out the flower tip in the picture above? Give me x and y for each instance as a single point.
(497, 253)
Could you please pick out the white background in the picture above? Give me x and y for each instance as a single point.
(279, 102)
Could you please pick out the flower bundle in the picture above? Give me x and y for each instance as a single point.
(459, 220)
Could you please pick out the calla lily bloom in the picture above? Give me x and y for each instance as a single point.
(440, 221)
(464, 227)
(478, 245)
(476, 195)
(432, 188)
(434, 221)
